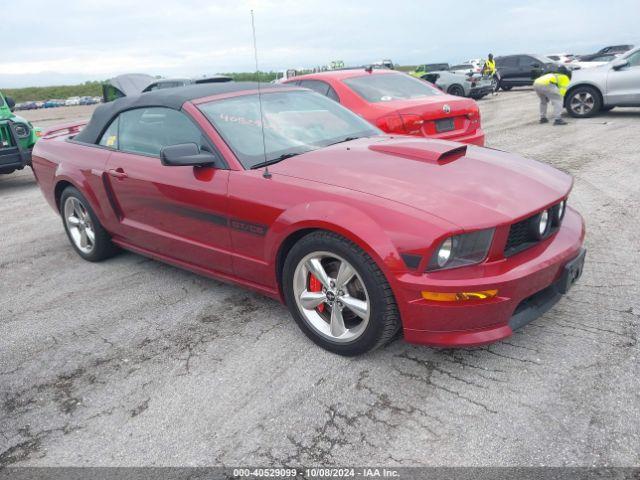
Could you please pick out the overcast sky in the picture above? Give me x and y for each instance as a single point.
(72, 41)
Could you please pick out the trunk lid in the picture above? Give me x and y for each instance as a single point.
(437, 116)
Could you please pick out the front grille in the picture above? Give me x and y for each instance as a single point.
(6, 139)
(520, 237)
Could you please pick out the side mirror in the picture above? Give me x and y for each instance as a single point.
(11, 103)
(619, 63)
(186, 155)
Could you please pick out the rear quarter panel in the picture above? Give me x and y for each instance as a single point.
(57, 160)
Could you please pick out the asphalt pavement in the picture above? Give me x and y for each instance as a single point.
(133, 362)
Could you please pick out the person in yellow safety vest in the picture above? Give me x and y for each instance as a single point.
(489, 69)
(552, 88)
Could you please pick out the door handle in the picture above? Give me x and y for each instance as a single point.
(117, 173)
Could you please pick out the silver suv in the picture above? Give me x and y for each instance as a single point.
(614, 84)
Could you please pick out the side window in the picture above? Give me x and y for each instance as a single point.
(320, 87)
(507, 62)
(528, 62)
(110, 136)
(333, 95)
(316, 86)
(634, 60)
(147, 130)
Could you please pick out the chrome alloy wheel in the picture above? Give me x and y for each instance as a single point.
(331, 296)
(79, 225)
(582, 103)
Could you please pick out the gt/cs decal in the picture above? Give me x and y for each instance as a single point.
(253, 228)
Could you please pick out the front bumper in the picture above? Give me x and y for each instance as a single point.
(528, 283)
(12, 155)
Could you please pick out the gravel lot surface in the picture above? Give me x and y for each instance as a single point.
(133, 362)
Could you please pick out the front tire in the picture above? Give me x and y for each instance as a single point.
(456, 90)
(583, 102)
(506, 88)
(338, 296)
(87, 236)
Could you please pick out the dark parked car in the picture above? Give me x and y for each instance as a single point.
(521, 70)
(53, 103)
(610, 50)
(28, 106)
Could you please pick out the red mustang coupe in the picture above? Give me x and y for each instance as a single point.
(285, 191)
(399, 104)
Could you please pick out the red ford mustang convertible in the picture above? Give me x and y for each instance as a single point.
(360, 234)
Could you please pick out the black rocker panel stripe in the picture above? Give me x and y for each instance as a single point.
(222, 220)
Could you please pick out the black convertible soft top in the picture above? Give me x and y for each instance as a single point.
(170, 97)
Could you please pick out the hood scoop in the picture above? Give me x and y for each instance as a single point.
(437, 152)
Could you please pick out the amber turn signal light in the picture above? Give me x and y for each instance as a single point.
(459, 296)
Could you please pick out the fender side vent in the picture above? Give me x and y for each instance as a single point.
(411, 261)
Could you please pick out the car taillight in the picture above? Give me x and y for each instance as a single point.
(474, 116)
(410, 124)
(390, 124)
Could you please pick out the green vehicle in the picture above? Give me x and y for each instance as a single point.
(17, 138)
(422, 70)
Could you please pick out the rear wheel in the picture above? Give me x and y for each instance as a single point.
(456, 90)
(86, 234)
(583, 102)
(338, 296)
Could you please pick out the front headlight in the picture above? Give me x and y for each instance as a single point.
(461, 250)
(22, 130)
(542, 224)
(444, 252)
(560, 209)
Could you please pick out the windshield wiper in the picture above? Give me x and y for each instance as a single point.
(284, 156)
(347, 139)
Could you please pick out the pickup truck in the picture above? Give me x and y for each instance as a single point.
(17, 138)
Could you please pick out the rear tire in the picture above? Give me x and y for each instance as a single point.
(347, 317)
(456, 90)
(583, 102)
(85, 232)
(7, 171)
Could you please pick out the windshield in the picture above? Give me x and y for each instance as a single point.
(294, 122)
(390, 86)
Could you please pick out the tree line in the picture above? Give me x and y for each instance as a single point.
(94, 89)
